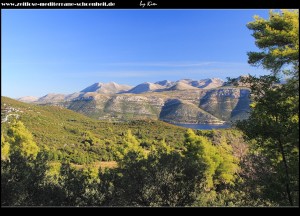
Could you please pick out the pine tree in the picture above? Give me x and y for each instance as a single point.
(274, 116)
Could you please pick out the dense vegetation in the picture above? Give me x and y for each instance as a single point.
(273, 124)
(159, 164)
(157, 156)
(200, 173)
(79, 139)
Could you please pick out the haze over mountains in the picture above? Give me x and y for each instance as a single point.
(182, 101)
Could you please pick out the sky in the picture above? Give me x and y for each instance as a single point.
(65, 51)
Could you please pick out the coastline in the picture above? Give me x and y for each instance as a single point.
(197, 123)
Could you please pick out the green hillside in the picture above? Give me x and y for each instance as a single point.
(80, 139)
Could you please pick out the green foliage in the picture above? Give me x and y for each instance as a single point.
(52, 175)
(76, 138)
(157, 164)
(273, 125)
(22, 180)
(88, 138)
(160, 176)
(21, 141)
(79, 186)
(129, 144)
(218, 163)
(158, 180)
(278, 38)
(276, 135)
(172, 178)
(5, 148)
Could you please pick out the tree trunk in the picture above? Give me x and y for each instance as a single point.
(287, 183)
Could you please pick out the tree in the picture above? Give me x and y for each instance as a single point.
(88, 138)
(161, 179)
(130, 143)
(274, 116)
(21, 141)
(167, 177)
(5, 148)
(278, 38)
(218, 163)
(23, 168)
(80, 186)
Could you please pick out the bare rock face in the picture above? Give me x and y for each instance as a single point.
(177, 111)
(183, 101)
(166, 83)
(28, 99)
(51, 98)
(205, 83)
(145, 87)
(107, 88)
(181, 86)
(178, 106)
(226, 103)
(131, 104)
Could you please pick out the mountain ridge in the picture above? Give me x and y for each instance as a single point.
(115, 88)
(198, 101)
(107, 88)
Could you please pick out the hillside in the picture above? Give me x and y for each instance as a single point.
(166, 83)
(185, 112)
(201, 101)
(65, 131)
(227, 103)
(84, 157)
(218, 105)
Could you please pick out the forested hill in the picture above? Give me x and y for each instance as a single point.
(80, 139)
(73, 135)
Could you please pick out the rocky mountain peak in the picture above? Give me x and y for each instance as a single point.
(107, 88)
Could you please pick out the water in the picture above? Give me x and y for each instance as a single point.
(205, 126)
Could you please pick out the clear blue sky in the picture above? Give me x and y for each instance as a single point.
(64, 51)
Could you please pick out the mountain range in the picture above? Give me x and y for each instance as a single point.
(182, 101)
